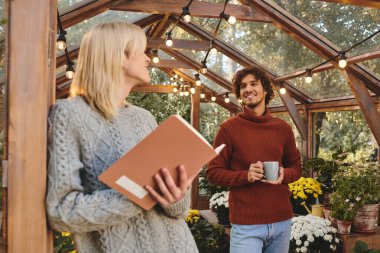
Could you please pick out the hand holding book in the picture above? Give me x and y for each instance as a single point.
(170, 192)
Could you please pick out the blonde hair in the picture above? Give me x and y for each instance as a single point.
(99, 72)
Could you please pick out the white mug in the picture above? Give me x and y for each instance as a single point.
(271, 171)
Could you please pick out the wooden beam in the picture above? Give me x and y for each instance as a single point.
(311, 39)
(329, 66)
(30, 94)
(366, 104)
(364, 3)
(157, 88)
(197, 9)
(196, 66)
(294, 114)
(163, 63)
(238, 56)
(197, 45)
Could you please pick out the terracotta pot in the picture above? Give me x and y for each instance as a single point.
(365, 219)
(344, 227)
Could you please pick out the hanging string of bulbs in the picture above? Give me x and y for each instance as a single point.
(62, 46)
(341, 56)
(186, 16)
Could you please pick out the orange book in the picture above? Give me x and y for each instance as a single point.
(171, 144)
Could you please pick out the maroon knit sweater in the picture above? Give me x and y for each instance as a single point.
(249, 139)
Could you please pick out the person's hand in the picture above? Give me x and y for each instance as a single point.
(169, 191)
(279, 179)
(255, 172)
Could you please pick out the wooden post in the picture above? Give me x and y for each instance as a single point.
(367, 106)
(195, 116)
(31, 87)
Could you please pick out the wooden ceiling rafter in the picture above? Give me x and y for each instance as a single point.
(329, 66)
(197, 9)
(311, 39)
(363, 3)
(208, 92)
(238, 56)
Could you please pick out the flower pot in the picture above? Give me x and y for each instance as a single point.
(317, 210)
(344, 227)
(365, 219)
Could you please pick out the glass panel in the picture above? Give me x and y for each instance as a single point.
(342, 24)
(64, 4)
(373, 65)
(325, 84)
(222, 1)
(179, 33)
(276, 101)
(265, 44)
(297, 135)
(162, 105)
(346, 131)
(219, 63)
(158, 76)
(76, 32)
(211, 116)
(206, 82)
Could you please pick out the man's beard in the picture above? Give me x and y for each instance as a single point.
(254, 105)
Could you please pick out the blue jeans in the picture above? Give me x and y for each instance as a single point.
(265, 238)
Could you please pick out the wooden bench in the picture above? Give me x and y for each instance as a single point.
(373, 240)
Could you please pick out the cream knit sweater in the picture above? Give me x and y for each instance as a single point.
(82, 144)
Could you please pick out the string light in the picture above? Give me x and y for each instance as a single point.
(192, 90)
(197, 80)
(213, 50)
(155, 56)
(61, 39)
(203, 95)
(342, 60)
(203, 70)
(308, 77)
(282, 90)
(70, 71)
(186, 14)
(186, 92)
(213, 98)
(230, 19)
(226, 98)
(169, 40)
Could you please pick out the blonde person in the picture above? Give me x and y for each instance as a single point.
(90, 131)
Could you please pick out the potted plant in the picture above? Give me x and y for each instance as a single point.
(305, 192)
(219, 204)
(343, 210)
(360, 184)
(312, 234)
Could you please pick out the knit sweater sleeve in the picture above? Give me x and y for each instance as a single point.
(68, 207)
(291, 160)
(218, 172)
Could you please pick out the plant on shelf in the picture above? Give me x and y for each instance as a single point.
(359, 185)
(362, 247)
(209, 238)
(312, 234)
(343, 208)
(305, 192)
(219, 204)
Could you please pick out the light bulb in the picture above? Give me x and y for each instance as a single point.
(156, 59)
(169, 42)
(70, 74)
(203, 95)
(181, 93)
(175, 90)
(342, 63)
(282, 90)
(187, 18)
(342, 60)
(61, 45)
(232, 20)
(186, 93)
(203, 70)
(176, 76)
(213, 98)
(308, 78)
(181, 79)
(213, 50)
(227, 100)
(198, 82)
(192, 90)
